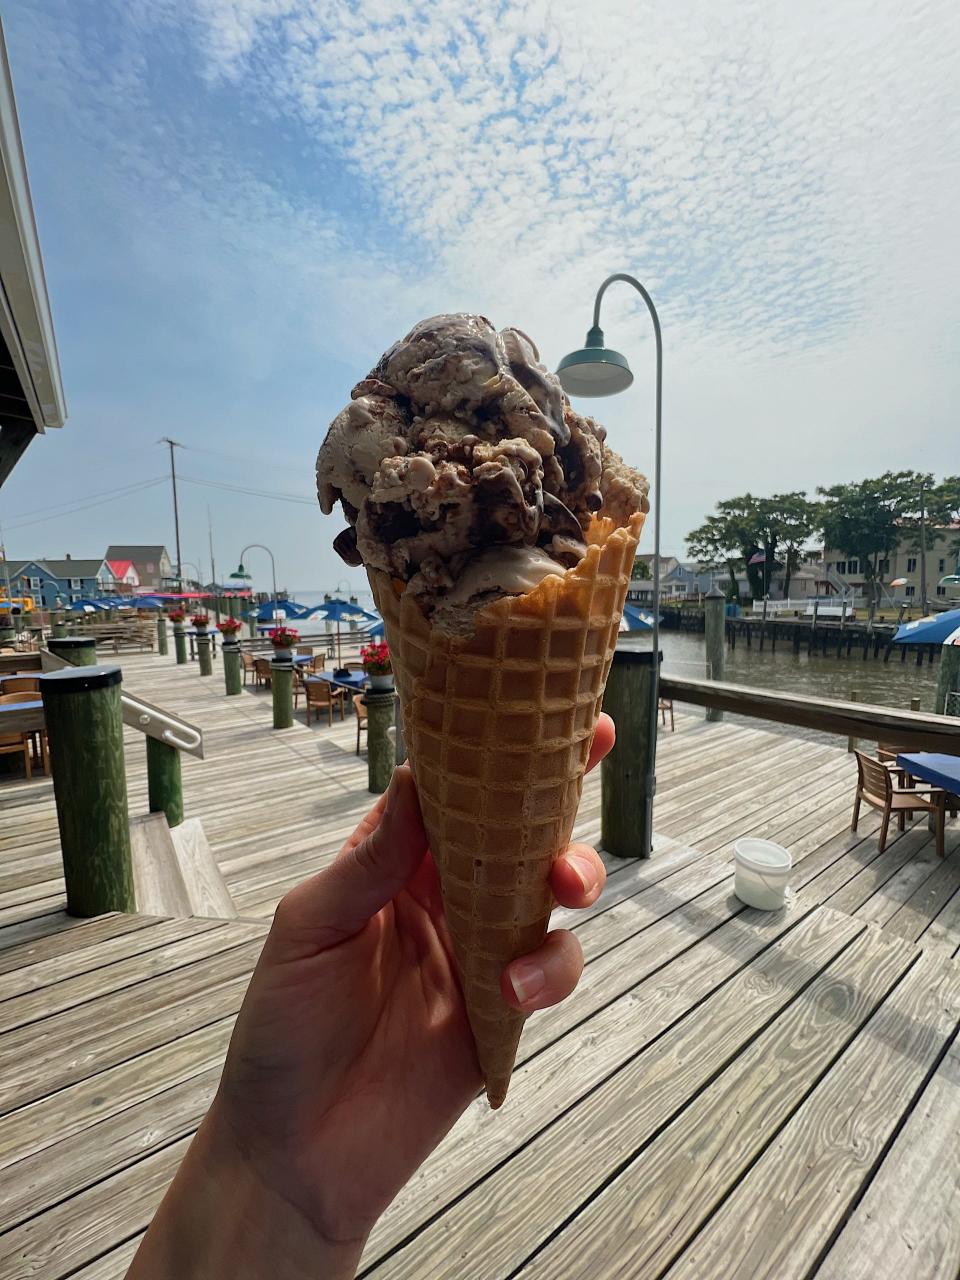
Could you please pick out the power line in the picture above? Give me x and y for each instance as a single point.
(83, 506)
(50, 507)
(256, 493)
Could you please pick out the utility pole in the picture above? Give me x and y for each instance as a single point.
(923, 550)
(213, 563)
(175, 444)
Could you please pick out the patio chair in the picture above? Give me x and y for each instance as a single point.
(663, 706)
(304, 650)
(262, 671)
(24, 743)
(875, 788)
(246, 661)
(361, 712)
(319, 694)
(318, 664)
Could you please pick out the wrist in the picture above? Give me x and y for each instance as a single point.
(218, 1218)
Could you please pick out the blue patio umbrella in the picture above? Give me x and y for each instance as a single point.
(268, 611)
(938, 628)
(148, 602)
(376, 632)
(635, 619)
(339, 611)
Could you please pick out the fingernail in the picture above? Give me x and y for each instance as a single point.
(527, 980)
(585, 869)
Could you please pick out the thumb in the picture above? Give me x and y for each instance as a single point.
(370, 870)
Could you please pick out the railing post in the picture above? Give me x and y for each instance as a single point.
(231, 664)
(948, 677)
(713, 606)
(164, 781)
(203, 652)
(381, 752)
(59, 628)
(281, 681)
(852, 742)
(252, 624)
(84, 724)
(8, 633)
(79, 651)
(162, 647)
(914, 704)
(626, 796)
(180, 644)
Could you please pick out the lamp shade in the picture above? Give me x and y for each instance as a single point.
(241, 574)
(594, 370)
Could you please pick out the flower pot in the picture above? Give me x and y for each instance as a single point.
(381, 683)
(283, 655)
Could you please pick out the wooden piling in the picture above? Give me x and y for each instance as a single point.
(59, 627)
(164, 782)
(852, 742)
(627, 782)
(713, 605)
(281, 681)
(204, 647)
(84, 723)
(180, 644)
(381, 752)
(162, 646)
(914, 704)
(948, 676)
(231, 666)
(79, 651)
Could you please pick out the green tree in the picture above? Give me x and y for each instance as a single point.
(713, 547)
(868, 519)
(745, 526)
(791, 520)
(640, 571)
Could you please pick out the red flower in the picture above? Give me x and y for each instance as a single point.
(376, 659)
(229, 626)
(200, 619)
(283, 637)
(177, 616)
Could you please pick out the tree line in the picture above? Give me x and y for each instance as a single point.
(866, 520)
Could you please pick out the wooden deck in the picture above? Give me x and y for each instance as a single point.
(728, 1094)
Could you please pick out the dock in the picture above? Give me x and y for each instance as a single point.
(729, 1093)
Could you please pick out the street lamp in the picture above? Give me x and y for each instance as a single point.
(188, 564)
(241, 574)
(597, 370)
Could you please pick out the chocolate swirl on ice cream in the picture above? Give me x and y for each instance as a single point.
(463, 469)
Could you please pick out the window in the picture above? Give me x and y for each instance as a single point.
(853, 566)
(74, 584)
(74, 595)
(942, 564)
(941, 591)
(883, 567)
(911, 591)
(911, 564)
(830, 566)
(150, 566)
(841, 566)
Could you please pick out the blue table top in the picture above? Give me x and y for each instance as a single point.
(21, 706)
(931, 766)
(356, 679)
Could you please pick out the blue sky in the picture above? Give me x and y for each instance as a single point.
(243, 202)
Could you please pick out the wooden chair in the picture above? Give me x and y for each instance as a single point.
(246, 661)
(262, 671)
(20, 743)
(318, 664)
(663, 706)
(361, 711)
(304, 650)
(875, 788)
(320, 693)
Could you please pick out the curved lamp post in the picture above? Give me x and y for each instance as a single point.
(597, 370)
(241, 574)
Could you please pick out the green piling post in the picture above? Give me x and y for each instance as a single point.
(164, 781)
(59, 628)
(381, 752)
(79, 651)
(252, 623)
(162, 647)
(180, 643)
(204, 653)
(281, 680)
(948, 677)
(18, 622)
(8, 633)
(626, 793)
(713, 606)
(231, 665)
(84, 722)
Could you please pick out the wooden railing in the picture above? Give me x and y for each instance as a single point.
(914, 730)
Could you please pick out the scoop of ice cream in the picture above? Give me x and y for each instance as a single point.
(460, 449)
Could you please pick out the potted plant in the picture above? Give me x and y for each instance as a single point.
(228, 627)
(177, 617)
(283, 639)
(200, 621)
(376, 664)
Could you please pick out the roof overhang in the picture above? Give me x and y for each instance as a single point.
(26, 325)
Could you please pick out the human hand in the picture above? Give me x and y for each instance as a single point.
(352, 1055)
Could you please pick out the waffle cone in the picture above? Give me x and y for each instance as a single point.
(498, 726)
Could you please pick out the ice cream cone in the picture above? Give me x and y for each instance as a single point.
(498, 726)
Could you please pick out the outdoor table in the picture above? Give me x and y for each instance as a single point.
(939, 770)
(356, 680)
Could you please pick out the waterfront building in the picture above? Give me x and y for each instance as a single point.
(125, 576)
(152, 565)
(53, 582)
(845, 572)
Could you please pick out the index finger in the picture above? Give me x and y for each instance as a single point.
(603, 739)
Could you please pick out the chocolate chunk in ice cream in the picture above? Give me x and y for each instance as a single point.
(463, 470)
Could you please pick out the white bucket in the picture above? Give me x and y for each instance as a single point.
(762, 871)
